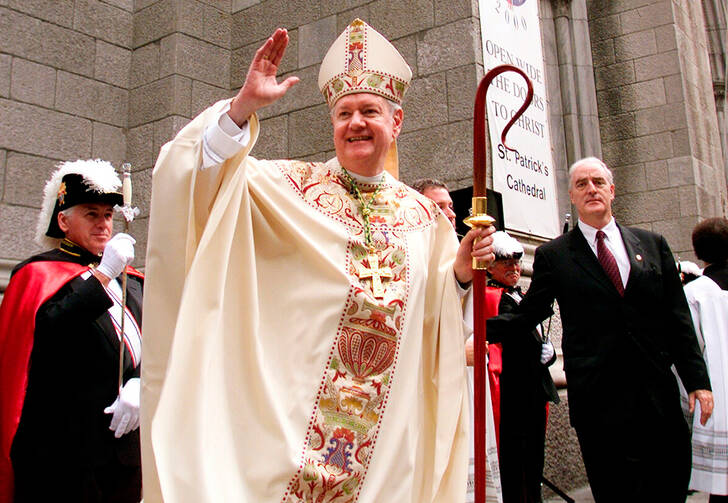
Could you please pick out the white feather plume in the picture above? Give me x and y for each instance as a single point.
(690, 268)
(505, 246)
(100, 176)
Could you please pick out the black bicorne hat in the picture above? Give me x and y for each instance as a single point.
(76, 182)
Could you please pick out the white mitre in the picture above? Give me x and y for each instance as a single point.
(361, 60)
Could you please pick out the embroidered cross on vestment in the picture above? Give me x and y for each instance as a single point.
(376, 274)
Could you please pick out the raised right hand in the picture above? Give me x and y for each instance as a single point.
(261, 87)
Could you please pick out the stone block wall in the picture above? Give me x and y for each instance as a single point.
(180, 64)
(657, 114)
(715, 26)
(64, 94)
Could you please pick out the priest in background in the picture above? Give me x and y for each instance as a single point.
(306, 332)
(707, 297)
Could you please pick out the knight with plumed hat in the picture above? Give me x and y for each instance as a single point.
(69, 412)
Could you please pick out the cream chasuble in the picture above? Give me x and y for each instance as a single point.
(272, 372)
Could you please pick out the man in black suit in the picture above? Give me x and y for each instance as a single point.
(68, 433)
(625, 322)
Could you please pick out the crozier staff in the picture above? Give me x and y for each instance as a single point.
(310, 327)
(438, 192)
(524, 382)
(66, 434)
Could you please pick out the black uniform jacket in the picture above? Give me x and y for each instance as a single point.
(526, 383)
(617, 350)
(73, 376)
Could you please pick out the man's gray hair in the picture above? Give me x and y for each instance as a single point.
(68, 211)
(393, 107)
(592, 160)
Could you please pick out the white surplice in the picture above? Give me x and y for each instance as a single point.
(272, 373)
(709, 309)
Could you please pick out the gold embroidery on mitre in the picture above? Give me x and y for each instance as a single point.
(355, 62)
(371, 64)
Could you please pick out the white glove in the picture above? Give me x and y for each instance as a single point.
(547, 352)
(119, 253)
(125, 409)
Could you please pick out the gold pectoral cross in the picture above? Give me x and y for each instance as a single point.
(376, 273)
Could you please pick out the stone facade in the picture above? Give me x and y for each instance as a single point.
(640, 83)
(658, 115)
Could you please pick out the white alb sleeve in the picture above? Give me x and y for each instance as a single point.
(223, 139)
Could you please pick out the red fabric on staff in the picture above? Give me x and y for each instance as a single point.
(479, 378)
(485, 305)
(480, 169)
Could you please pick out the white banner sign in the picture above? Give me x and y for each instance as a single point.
(525, 177)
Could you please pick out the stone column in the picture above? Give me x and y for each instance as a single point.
(180, 64)
(715, 25)
(657, 114)
(571, 91)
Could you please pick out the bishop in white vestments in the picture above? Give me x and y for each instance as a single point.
(305, 334)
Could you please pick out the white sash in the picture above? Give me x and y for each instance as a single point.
(132, 333)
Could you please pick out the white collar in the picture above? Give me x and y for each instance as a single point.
(590, 233)
(369, 180)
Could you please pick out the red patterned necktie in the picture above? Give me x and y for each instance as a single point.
(608, 262)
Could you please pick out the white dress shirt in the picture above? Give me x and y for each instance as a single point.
(614, 242)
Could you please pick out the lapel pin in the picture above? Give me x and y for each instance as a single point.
(638, 257)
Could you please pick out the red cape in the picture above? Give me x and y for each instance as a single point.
(28, 289)
(495, 358)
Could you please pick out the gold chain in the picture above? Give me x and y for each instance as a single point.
(365, 206)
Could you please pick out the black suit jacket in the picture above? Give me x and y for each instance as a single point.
(73, 376)
(617, 350)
